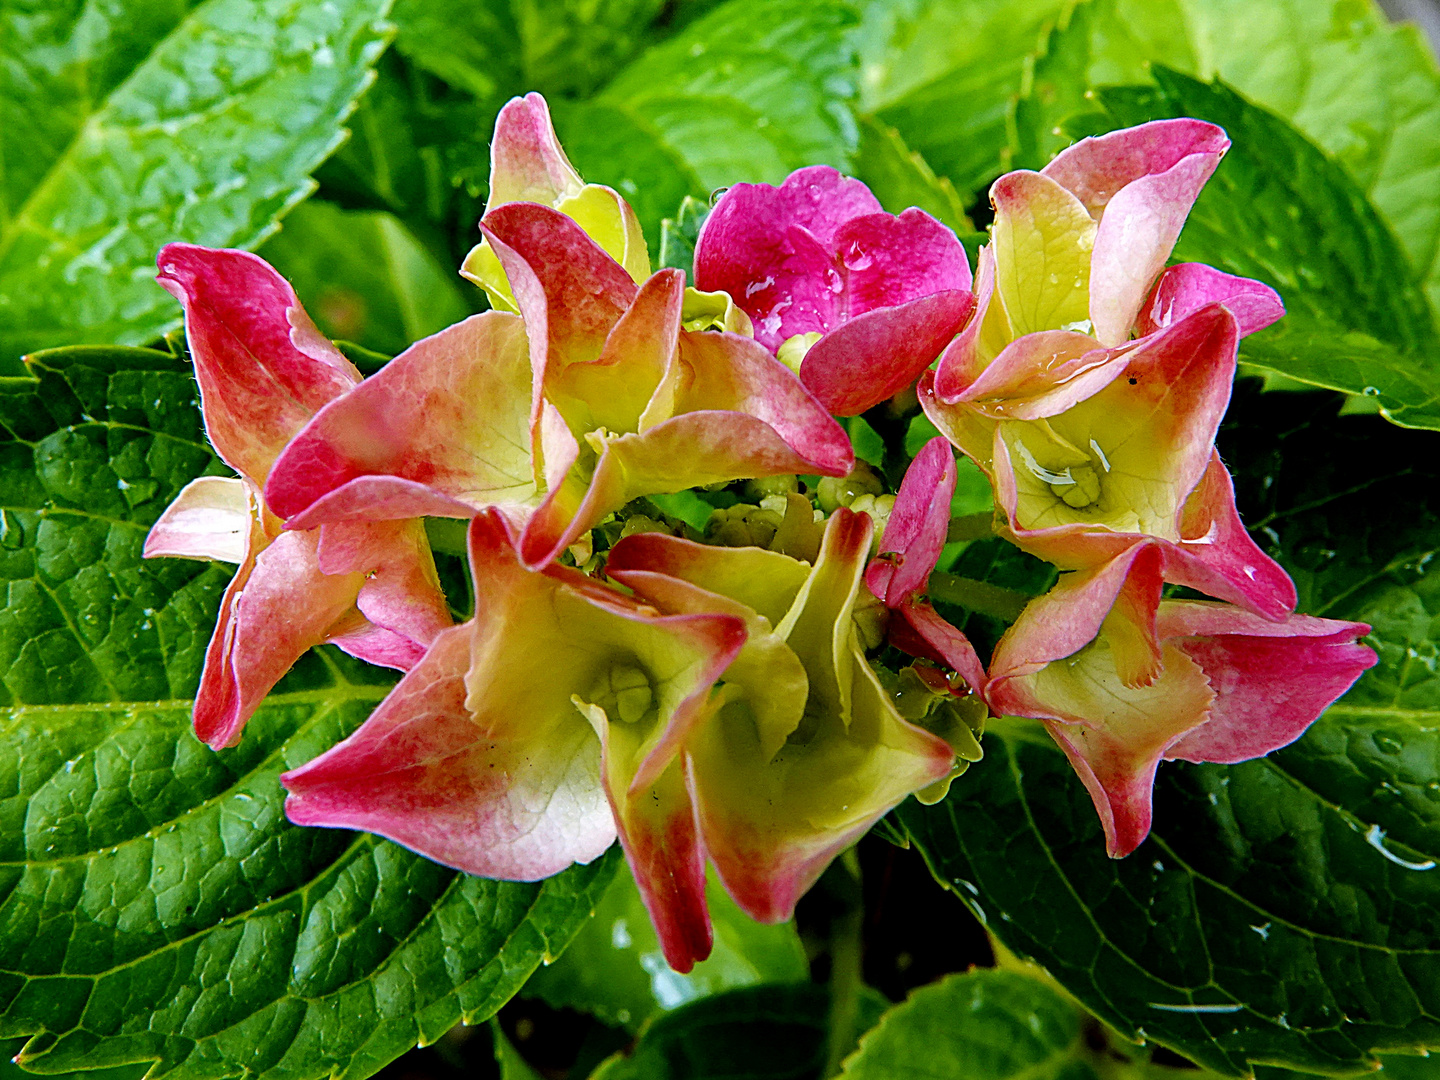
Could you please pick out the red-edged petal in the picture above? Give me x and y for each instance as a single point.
(502, 793)
(1271, 680)
(263, 368)
(1141, 224)
(915, 531)
(1095, 169)
(277, 607)
(930, 636)
(1216, 554)
(727, 371)
(877, 354)
(568, 289)
(1070, 615)
(527, 163)
(1188, 287)
(1043, 374)
(443, 429)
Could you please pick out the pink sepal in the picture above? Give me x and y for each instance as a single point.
(658, 830)
(770, 248)
(876, 355)
(458, 787)
(263, 368)
(1184, 289)
(406, 441)
(1271, 679)
(277, 607)
(209, 519)
(1216, 554)
(909, 549)
(818, 255)
(527, 163)
(1139, 183)
(935, 639)
(915, 531)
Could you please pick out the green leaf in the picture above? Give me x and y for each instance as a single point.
(751, 91)
(91, 451)
(868, 444)
(1284, 910)
(615, 970)
(759, 1033)
(155, 906)
(1365, 90)
(943, 73)
(982, 1025)
(364, 277)
(494, 48)
(679, 235)
(158, 907)
(208, 133)
(901, 178)
(1279, 210)
(512, 1065)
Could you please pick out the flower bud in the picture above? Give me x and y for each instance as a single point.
(835, 492)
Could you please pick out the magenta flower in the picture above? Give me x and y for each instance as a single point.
(264, 371)
(882, 294)
(1122, 679)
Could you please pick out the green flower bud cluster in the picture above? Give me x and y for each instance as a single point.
(927, 697)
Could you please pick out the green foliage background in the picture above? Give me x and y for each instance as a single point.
(158, 913)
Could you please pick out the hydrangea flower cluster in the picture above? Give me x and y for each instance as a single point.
(758, 694)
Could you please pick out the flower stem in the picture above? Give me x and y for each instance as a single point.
(978, 596)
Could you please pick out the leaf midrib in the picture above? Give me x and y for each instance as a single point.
(13, 226)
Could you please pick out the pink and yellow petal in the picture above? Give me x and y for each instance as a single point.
(412, 440)
(1216, 554)
(210, 519)
(734, 373)
(1042, 240)
(614, 390)
(277, 607)
(263, 368)
(509, 793)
